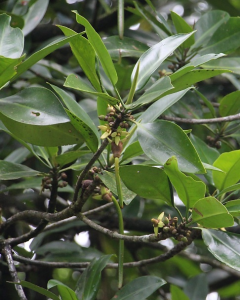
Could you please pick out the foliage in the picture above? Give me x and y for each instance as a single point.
(146, 121)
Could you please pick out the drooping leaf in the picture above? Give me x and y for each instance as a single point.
(188, 189)
(75, 82)
(89, 281)
(80, 119)
(229, 162)
(231, 188)
(65, 292)
(9, 171)
(197, 287)
(229, 63)
(207, 25)
(85, 55)
(140, 288)
(224, 246)
(155, 55)
(182, 27)
(110, 181)
(38, 289)
(147, 182)
(211, 213)
(125, 47)
(34, 15)
(230, 104)
(162, 140)
(99, 48)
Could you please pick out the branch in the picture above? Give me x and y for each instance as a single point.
(7, 252)
(202, 121)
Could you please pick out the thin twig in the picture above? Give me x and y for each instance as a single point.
(202, 121)
(7, 252)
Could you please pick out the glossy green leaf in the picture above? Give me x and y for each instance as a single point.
(85, 55)
(229, 63)
(9, 171)
(224, 246)
(140, 288)
(147, 182)
(229, 162)
(182, 27)
(25, 184)
(8, 69)
(125, 47)
(75, 82)
(38, 55)
(230, 104)
(34, 15)
(80, 119)
(132, 150)
(233, 207)
(109, 180)
(195, 76)
(177, 293)
(65, 292)
(207, 25)
(226, 39)
(210, 213)
(197, 287)
(38, 289)
(154, 56)
(89, 281)
(188, 189)
(162, 140)
(133, 88)
(18, 155)
(70, 156)
(154, 92)
(11, 39)
(99, 48)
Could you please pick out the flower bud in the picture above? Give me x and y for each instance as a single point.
(117, 149)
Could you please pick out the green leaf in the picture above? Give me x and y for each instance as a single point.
(197, 287)
(89, 282)
(154, 56)
(162, 140)
(80, 119)
(153, 93)
(231, 188)
(99, 48)
(229, 63)
(133, 88)
(38, 289)
(193, 77)
(233, 207)
(25, 184)
(226, 39)
(147, 182)
(11, 39)
(182, 27)
(207, 25)
(8, 69)
(177, 293)
(85, 55)
(70, 156)
(140, 288)
(209, 212)
(229, 162)
(109, 180)
(9, 171)
(224, 246)
(65, 292)
(188, 189)
(34, 15)
(35, 115)
(132, 150)
(38, 55)
(75, 82)
(125, 47)
(230, 104)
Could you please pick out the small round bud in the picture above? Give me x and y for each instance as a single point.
(166, 229)
(64, 175)
(102, 117)
(174, 232)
